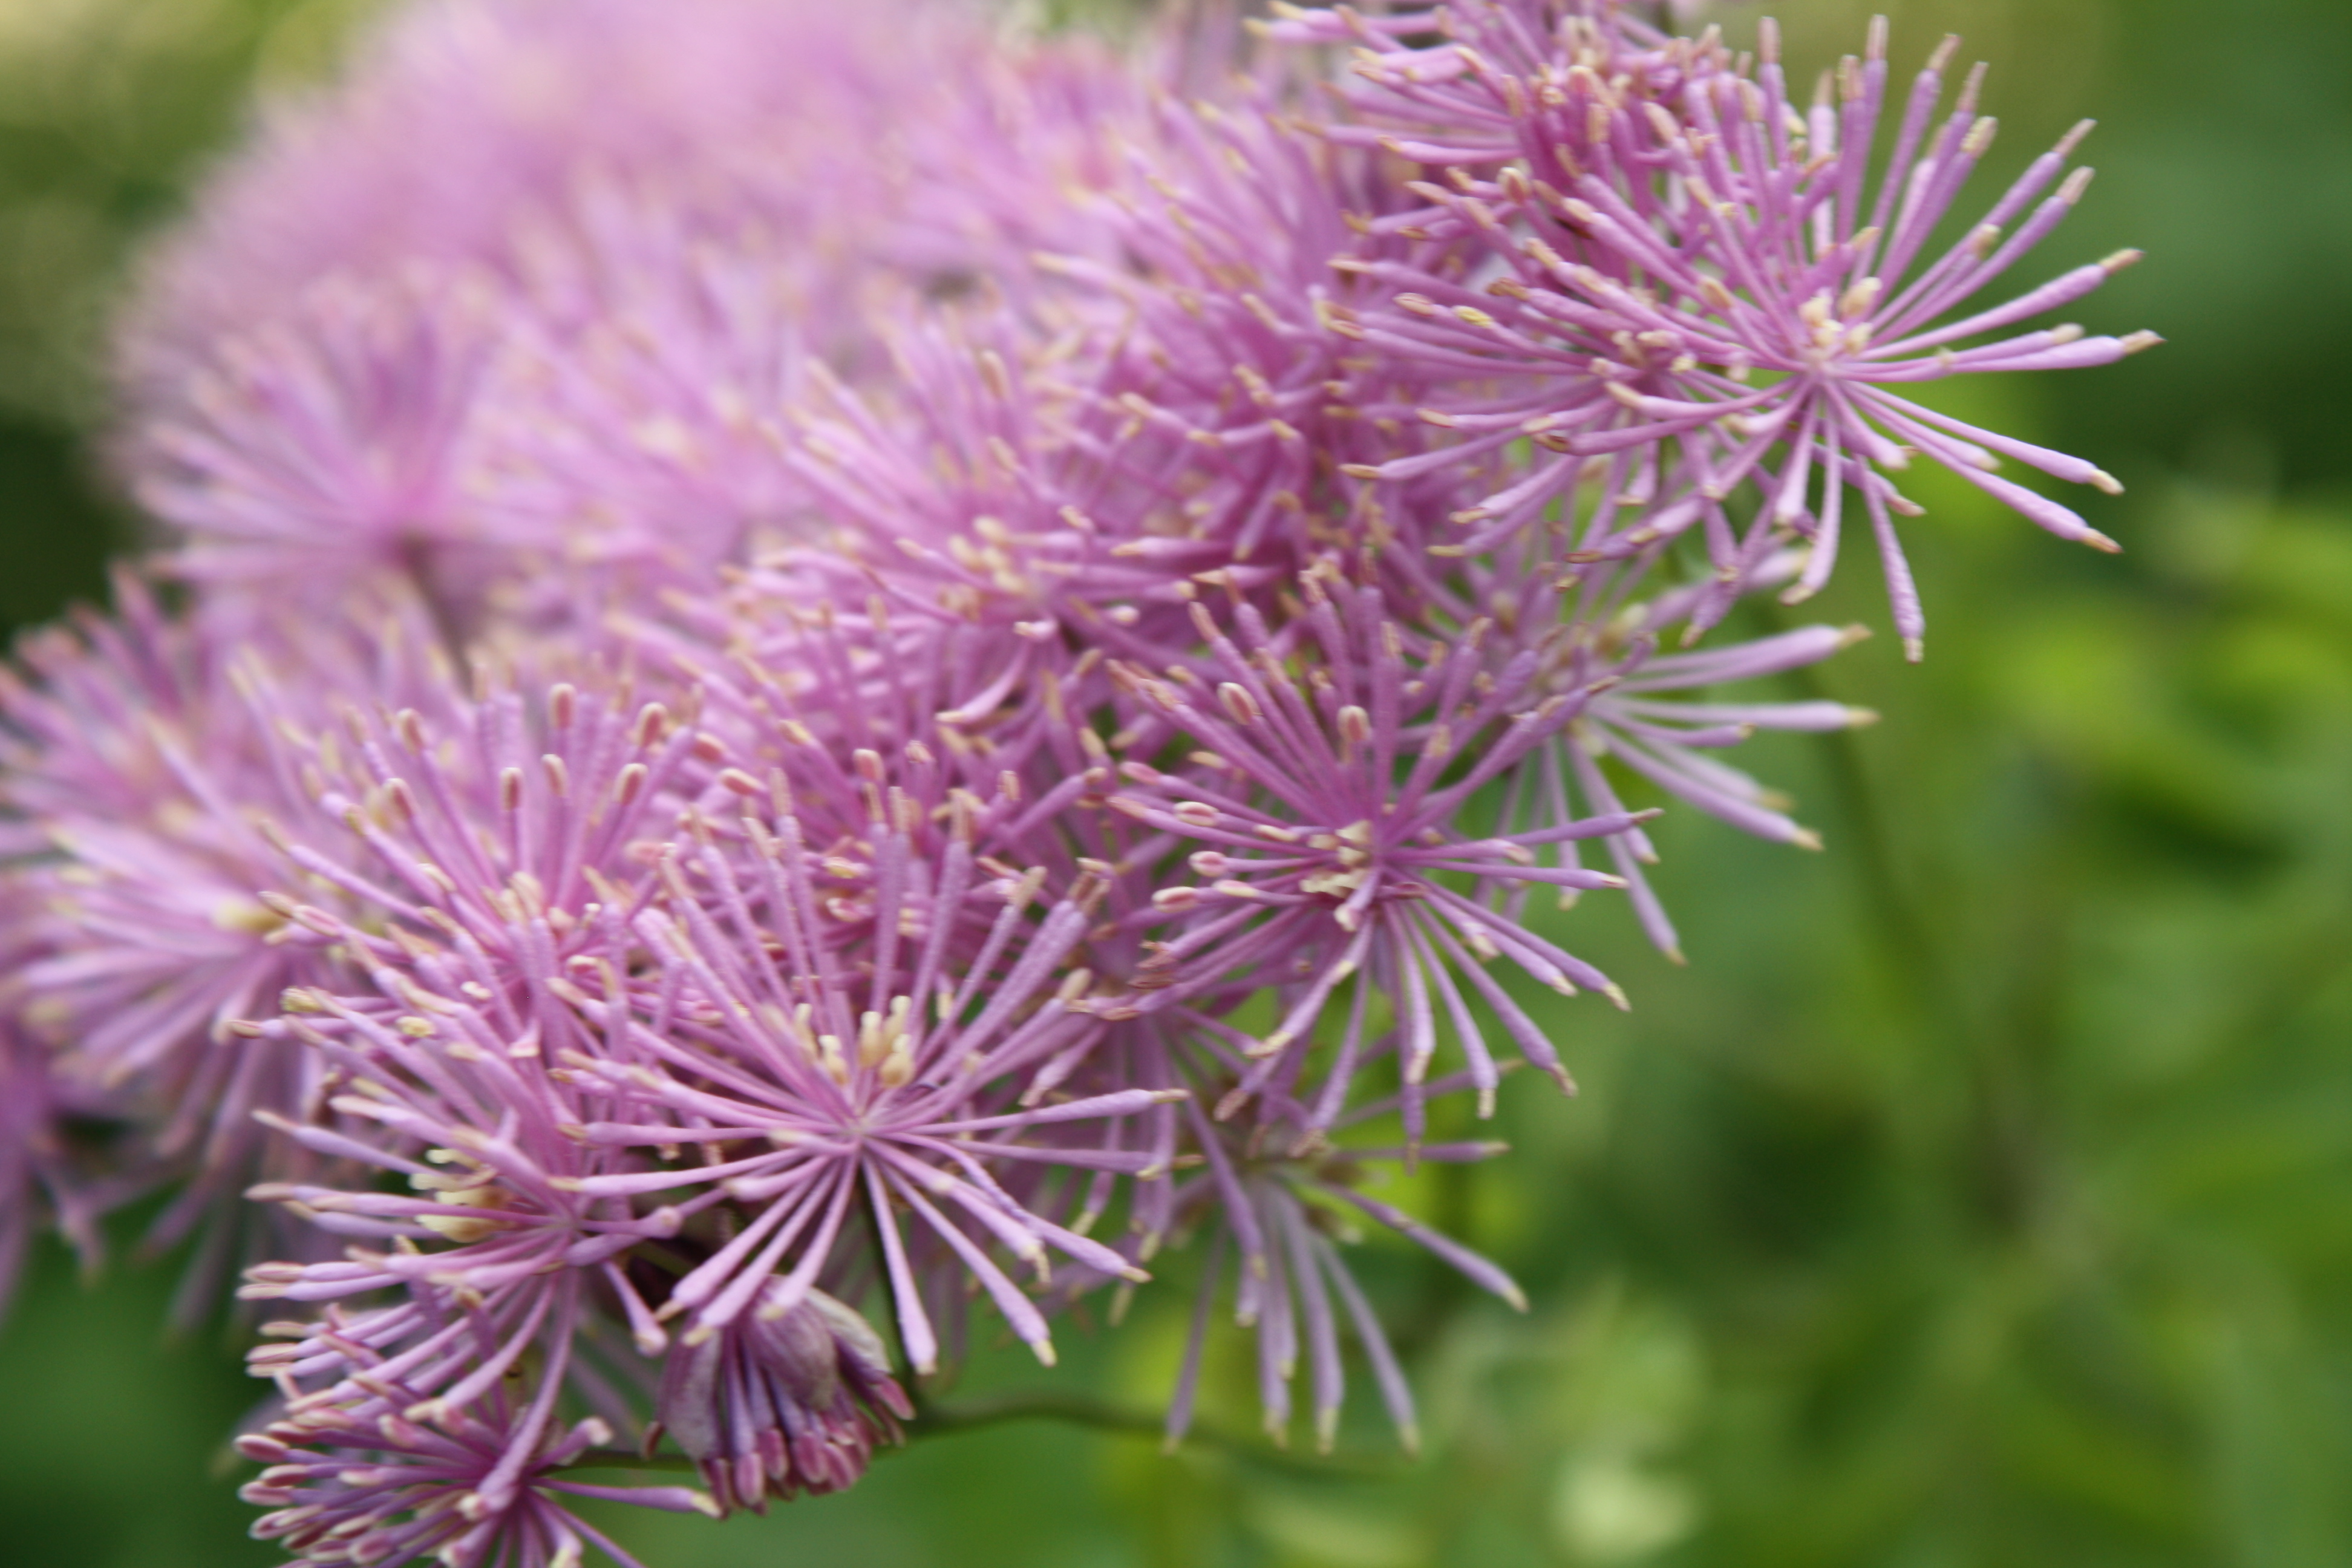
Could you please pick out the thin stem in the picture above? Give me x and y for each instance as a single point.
(1872, 854)
(995, 1410)
(1079, 1410)
(415, 563)
(992, 1410)
(629, 1459)
(2006, 1149)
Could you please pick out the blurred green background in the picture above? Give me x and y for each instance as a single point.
(1981, 1194)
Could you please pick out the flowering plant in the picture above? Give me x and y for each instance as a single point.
(874, 669)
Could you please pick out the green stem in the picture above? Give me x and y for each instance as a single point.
(629, 1459)
(992, 1410)
(1872, 854)
(2005, 1151)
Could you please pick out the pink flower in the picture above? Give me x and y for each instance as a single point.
(355, 1479)
(530, 291)
(336, 443)
(1670, 240)
(1025, 648)
(1284, 1199)
(825, 1093)
(143, 776)
(1330, 817)
(778, 1405)
(464, 128)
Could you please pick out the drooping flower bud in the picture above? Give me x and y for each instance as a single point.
(774, 1405)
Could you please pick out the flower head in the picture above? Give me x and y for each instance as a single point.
(1655, 717)
(335, 444)
(354, 1479)
(145, 788)
(972, 652)
(1719, 288)
(1331, 812)
(823, 1092)
(534, 287)
(775, 1405)
(1283, 1198)
(466, 129)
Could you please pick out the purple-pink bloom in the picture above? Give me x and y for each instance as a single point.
(146, 782)
(824, 655)
(360, 1479)
(774, 1405)
(464, 128)
(533, 287)
(827, 1093)
(1282, 1199)
(1656, 715)
(1329, 821)
(1688, 231)
(335, 443)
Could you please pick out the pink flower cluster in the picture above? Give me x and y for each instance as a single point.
(819, 668)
